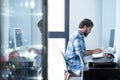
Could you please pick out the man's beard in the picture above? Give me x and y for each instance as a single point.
(85, 34)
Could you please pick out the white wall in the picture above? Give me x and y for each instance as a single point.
(108, 20)
(117, 55)
(80, 9)
(36, 34)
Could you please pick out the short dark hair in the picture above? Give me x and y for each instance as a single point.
(40, 23)
(86, 22)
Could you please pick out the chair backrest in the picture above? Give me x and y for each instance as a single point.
(63, 58)
(82, 61)
(84, 64)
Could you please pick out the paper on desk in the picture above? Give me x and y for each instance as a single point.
(98, 55)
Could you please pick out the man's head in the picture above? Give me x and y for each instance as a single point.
(86, 26)
(40, 25)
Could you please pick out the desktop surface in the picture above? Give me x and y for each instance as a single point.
(99, 59)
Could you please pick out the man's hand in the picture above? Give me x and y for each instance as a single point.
(35, 50)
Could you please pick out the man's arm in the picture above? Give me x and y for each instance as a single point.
(94, 51)
(35, 50)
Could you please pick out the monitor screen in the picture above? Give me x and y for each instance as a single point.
(18, 38)
(112, 37)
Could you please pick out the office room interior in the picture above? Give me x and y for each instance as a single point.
(19, 32)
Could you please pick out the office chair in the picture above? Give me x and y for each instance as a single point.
(68, 74)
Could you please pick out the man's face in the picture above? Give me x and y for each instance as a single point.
(87, 31)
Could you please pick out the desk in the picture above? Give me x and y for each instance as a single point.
(101, 73)
(23, 70)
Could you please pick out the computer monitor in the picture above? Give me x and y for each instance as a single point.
(18, 42)
(112, 38)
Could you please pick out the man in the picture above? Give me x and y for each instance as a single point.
(37, 51)
(76, 47)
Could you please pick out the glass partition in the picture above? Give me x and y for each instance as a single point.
(21, 39)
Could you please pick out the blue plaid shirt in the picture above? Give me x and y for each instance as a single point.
(76, 46)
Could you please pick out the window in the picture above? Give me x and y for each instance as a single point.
(58, 29)
(19, 28)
